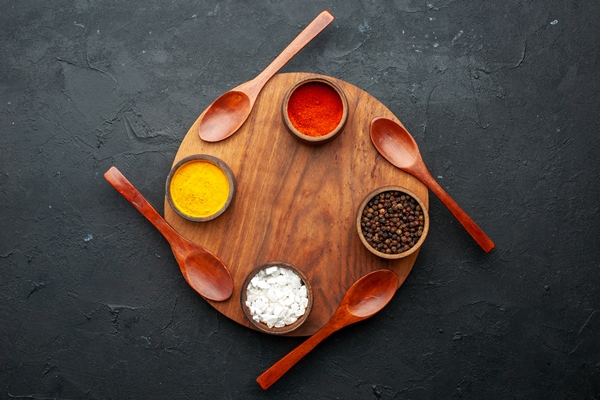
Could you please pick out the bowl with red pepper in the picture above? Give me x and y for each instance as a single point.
(315, 110)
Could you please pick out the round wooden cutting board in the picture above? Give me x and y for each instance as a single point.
(297, 203)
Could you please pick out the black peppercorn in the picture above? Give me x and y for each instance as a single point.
(398, 221)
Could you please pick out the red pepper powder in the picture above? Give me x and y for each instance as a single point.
(315, 109)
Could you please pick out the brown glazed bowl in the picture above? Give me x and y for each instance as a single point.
(361, 233)
(205, 158)
(261, 326)
(315, 140)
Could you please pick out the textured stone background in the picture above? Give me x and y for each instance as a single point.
(503, 98)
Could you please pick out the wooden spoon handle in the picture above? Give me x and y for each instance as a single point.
(308, 34)
(123, 186)
(276, 371)
(475, 231)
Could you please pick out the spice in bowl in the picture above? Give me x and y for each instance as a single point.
(315, 110)
(200, 187)
(276, 298)
(392, 222)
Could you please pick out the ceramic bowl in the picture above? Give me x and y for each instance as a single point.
(303, 137)
(171, 188)
(262, 326)
(395, 245)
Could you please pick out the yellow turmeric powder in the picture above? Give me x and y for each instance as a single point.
(199, 188)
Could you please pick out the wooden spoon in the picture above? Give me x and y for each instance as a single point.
(202, 270)
(227, 113)
(365, 298)
(394, 142)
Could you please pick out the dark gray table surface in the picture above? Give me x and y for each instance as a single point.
(503, 98)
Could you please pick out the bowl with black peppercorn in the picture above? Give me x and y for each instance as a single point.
(392, 222)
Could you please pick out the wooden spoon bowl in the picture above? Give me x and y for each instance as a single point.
(229, 112)
(366, 297)
(398, 146)
(202, 270)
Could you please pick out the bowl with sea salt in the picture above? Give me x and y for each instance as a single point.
(276, 298)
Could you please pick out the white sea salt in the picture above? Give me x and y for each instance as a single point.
(276, 296)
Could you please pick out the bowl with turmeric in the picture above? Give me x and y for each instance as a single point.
(315, 110)
(200, 187)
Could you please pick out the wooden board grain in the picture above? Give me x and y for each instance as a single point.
(297, 203)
